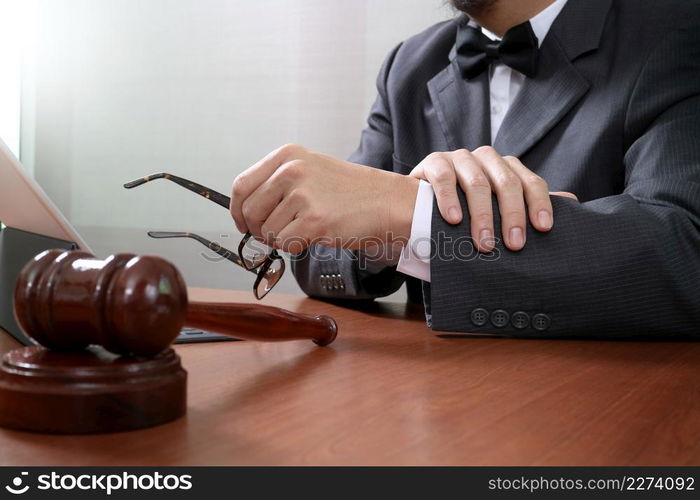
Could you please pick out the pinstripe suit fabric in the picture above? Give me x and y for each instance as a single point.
(613, 115)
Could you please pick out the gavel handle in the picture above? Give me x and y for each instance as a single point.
(258, 322)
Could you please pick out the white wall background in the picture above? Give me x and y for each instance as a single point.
(17, 19)
(117, 89)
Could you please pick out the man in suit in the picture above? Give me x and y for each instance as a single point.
(477, 120)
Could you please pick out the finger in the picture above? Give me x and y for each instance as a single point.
(565, 194)
(250, 180)
(477, 188)
(292, 238)
(536, 191)
(283, 214)
(439, 171)
(259, 205)
(509, 192)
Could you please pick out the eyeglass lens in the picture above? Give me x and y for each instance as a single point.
(268, 277)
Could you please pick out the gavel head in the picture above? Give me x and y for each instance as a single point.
(128, 304)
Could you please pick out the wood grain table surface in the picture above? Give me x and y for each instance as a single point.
(389, 391)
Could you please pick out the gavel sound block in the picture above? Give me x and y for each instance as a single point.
(103, 327)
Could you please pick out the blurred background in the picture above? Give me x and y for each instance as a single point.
(94, 93)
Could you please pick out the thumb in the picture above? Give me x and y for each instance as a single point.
(418, 173)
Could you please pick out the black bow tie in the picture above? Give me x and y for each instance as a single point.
(475, 51)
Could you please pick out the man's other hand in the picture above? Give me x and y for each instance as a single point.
(480, 173)
(295, 196)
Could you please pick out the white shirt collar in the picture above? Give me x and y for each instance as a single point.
(540, 23)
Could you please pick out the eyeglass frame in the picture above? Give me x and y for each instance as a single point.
(224, 201)
(260, 271)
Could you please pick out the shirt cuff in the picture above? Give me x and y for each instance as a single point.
(415, 257)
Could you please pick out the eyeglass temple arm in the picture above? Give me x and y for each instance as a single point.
(203, 191)
(214, 247)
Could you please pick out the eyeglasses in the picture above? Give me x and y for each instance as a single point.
(252, 255)
(268, 272)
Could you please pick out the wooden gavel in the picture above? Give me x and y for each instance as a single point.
(137, 305)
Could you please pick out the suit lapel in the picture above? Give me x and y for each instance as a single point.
(461, 107)
(541, 103)
(545, 99)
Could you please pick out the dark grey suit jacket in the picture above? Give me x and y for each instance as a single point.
(612, 115)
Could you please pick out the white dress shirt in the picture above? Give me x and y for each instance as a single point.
(504, 85)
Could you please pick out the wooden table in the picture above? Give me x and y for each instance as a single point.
(388, 391)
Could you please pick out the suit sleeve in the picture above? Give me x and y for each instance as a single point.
(345, 274)
(625, 265)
